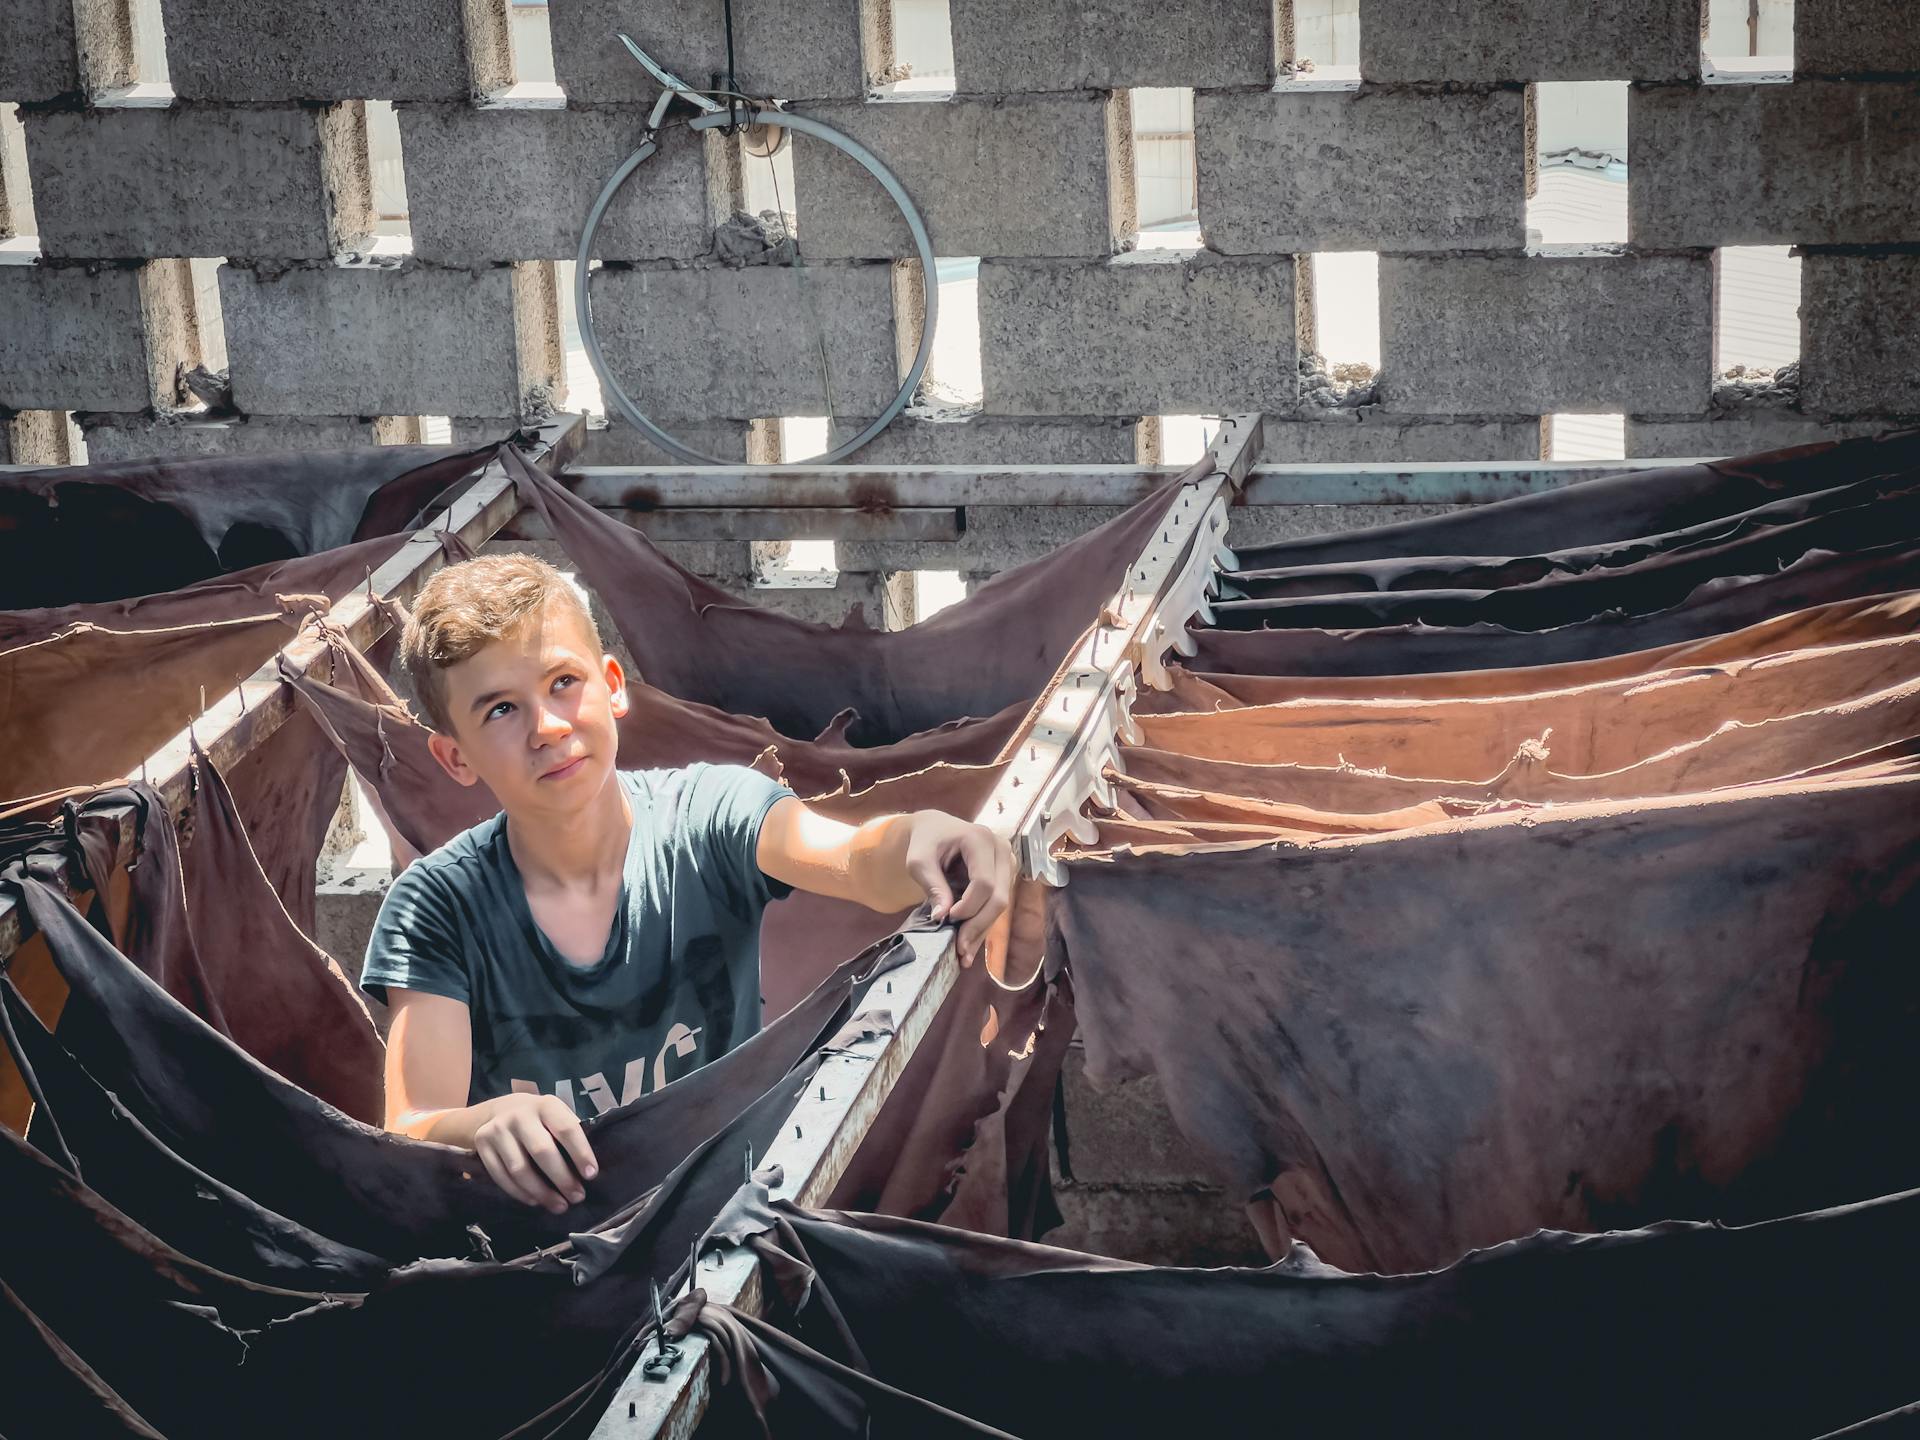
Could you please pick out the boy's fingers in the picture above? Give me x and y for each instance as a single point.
(508, 1166)
(573, 1140)
(926, 873)
(551, 1163)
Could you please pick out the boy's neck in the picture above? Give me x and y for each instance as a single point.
(575, 846)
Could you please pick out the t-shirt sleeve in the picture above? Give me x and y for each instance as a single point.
(415, 943)
(726, 806)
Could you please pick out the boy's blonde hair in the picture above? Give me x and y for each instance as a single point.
(468, 606)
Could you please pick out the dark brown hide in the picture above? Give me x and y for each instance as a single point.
(89, 691)
(1620, 507)
(1844, 622)
(1494, 572)
(1590, 1015)
(1875, 727)
(996, 649)
(287, 790)
(132, 1169)
(69, 1401)
(1647, 587)
(284, 1000)
(1715, 608)
(1780, 1331)
(198, 1351)
(100, 532)
(1589, 730)
(222, 1111)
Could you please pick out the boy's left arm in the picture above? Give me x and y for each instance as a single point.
(892, 863)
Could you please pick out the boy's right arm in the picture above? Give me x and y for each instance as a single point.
(532, 1145)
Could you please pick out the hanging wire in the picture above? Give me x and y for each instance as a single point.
(733, 85)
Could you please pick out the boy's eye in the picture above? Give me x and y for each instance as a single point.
(497, 711)
(563, 680)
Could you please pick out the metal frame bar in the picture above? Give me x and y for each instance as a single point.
(872, 489)
(1055, 767)
(247, 715)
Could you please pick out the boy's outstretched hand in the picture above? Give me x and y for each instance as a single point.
(945, 851)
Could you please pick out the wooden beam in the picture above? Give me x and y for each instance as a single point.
(248, 715)
(642, 489)
(1056, 760)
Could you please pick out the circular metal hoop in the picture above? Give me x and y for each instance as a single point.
(800, 124)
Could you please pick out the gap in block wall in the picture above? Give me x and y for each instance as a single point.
(1750, 37)
(1582, 155)
(1166, 197)
(922, 67)
(19, 228)
(1346, 312)
(1756, 311)
(1586, 437)
(1326, 39)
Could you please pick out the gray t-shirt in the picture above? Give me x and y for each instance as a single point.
(678, 984)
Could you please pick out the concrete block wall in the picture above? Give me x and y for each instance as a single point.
(261, 159)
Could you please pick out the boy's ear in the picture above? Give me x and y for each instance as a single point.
(617, 684)
(446, 750)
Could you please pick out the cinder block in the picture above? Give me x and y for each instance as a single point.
(1002, 440)
(1305, 168)
(792, 49)
(722, 343)
(1485, 41)
(1815, 162)
(854, 591)
(408, 341)
(997, 538)
(72, 338)
(1546, 333)
(1156, 1225)
(1142, 335)
(1123, 1134)
(112, 438)
(1005, 47)
(317, 49)
(1350, 438)
(621, 444)
(1022, 175)
(38, 57)
(183, 181)
(497, 185)
(1855, 37)
(1749, 432)
(1860, 344)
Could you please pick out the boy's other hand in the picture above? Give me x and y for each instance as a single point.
(535, 1150)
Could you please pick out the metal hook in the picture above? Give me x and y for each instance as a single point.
(662, 1361)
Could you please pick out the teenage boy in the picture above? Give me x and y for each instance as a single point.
(600, 937)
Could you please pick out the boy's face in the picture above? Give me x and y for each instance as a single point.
(533, 716)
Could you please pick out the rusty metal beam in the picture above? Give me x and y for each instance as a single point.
(877, 489)
(772, 523)
(249, 714)
(1055, 765)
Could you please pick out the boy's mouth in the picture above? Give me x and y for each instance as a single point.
(561, 772)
